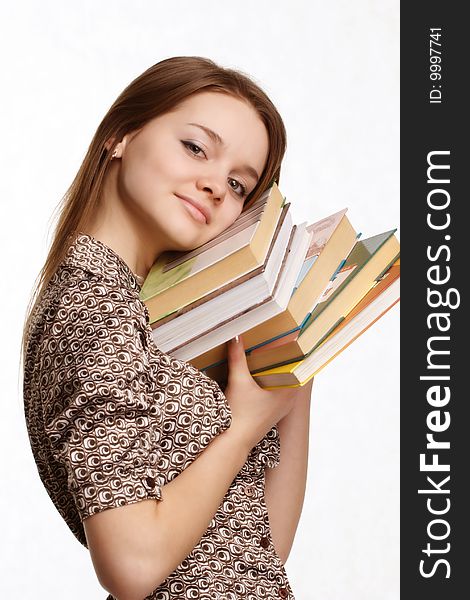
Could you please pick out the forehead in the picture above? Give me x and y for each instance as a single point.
(216, 104)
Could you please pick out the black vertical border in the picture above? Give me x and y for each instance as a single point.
(427, 127)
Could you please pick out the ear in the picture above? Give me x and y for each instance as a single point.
(121, 147)
(117, 151)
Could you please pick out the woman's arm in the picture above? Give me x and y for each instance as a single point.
(135, 547)
(285, 485)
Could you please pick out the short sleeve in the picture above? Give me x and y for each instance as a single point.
(102, 420)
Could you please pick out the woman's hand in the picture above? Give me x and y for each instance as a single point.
(254, 410)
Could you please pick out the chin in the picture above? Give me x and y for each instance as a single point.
(186, 246)
(190, 242)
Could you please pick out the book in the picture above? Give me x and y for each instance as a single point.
(298, 373)
(288, 289)
(293, 374)
(268, 307)
(179, 278)
(382, 283)
(230, 300)
(368, 259)
(332, 239)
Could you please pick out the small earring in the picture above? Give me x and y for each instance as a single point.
(114, 154)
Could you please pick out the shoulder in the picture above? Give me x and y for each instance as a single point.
(91, 292)
(80, 304)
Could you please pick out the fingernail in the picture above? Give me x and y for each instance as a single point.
(237, 339)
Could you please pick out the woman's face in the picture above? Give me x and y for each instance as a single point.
(207, 153)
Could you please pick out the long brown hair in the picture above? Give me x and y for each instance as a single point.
(158, 90)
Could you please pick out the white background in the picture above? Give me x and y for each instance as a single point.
(332, 69)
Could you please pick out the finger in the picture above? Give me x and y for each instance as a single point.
(236, 360)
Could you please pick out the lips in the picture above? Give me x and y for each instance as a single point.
(198, 210)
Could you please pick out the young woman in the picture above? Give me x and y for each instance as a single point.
(178, 490)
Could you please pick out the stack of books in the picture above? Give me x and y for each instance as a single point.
(297, 294)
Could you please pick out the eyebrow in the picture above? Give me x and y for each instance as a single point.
(215, 137)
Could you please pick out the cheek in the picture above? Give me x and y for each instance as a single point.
(231, 214)
(169, 169)
(143, 176)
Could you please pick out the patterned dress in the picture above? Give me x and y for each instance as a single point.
(112, 419)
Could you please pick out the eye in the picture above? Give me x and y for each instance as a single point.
(196, 151)
(242, 191)
(193, 148)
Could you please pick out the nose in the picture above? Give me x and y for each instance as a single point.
(213, 184)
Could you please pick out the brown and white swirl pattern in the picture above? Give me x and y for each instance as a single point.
(112, 419)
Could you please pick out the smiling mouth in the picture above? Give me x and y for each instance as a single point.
(193, 211)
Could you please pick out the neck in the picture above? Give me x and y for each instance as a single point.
(122, 231)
